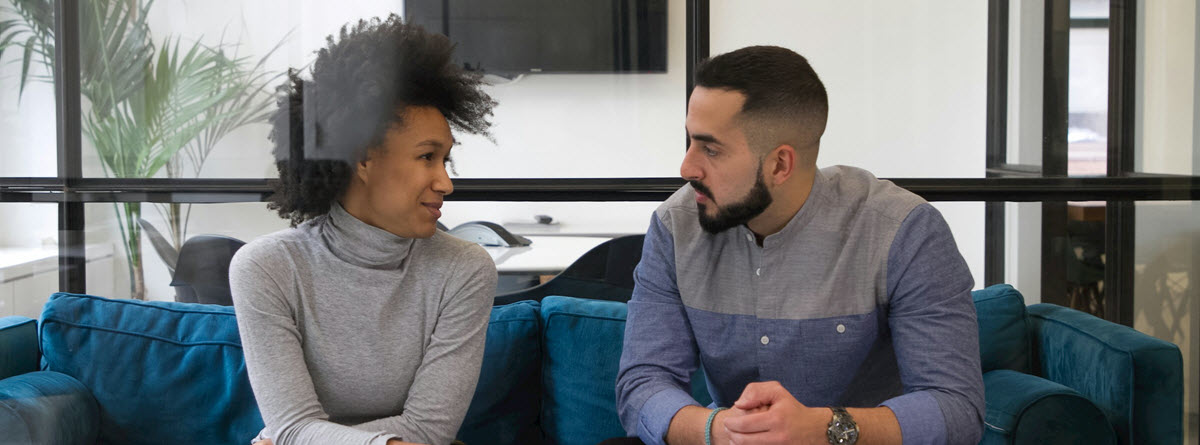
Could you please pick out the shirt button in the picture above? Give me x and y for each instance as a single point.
(841, 328)
(764, 340)
(749, 237)
(758, 271)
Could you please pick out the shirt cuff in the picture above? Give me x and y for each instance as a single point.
(655, 418)
(920, 417)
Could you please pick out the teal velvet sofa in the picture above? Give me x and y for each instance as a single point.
(94, 370)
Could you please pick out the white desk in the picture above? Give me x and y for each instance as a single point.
(545, 255)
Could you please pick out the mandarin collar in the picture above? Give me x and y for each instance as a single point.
(801, 218)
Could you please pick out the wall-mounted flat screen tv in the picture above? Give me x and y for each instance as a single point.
(512, 37)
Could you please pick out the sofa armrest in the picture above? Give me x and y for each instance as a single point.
(18, 346)
(1136, 379)
(46, 407)
(1022, 408)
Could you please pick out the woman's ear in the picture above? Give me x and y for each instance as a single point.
(362, 169)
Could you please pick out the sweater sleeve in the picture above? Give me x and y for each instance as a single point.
(271, 342)
(445, 382)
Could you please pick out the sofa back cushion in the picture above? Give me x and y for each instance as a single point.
(1004, 341)
(507, 399)
(582, 344)
(162, 372)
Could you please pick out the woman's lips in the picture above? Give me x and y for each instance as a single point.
(435, 209)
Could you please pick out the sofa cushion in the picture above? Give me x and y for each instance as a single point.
(45, 407)
(1003, 333)
(161, 371)
(507, 399)
(583, 341)
(18, 346)
(1022, 408)
(1141, 386)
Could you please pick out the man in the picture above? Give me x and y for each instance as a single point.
(825, 306)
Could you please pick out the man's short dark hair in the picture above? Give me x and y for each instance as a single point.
(361, 84)
(785, 100)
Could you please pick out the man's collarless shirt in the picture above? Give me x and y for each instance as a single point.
(861, 300)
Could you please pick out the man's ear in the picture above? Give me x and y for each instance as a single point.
(781, 162)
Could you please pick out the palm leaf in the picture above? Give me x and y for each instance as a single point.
(25, 63)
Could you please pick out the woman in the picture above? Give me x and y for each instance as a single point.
(362, 323)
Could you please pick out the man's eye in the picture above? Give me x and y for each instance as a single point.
(710, 151)
(427, 156)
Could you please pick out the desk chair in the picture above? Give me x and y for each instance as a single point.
(202, 271)
(603, 273)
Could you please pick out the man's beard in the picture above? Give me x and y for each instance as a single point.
(737, 213)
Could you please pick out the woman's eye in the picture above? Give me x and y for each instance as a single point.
(427, 156)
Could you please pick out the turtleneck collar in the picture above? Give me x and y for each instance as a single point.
(362, 244)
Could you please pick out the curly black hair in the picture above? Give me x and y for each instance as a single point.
(361, 84)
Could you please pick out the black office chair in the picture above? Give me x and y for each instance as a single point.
(603, 273)
(202, 271)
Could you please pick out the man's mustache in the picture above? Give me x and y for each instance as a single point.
(700, 188)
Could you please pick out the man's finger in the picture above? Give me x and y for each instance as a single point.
(751, 423)
(759, 394)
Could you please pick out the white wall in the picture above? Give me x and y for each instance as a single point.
(28, 147)
(1167, 254)
(906, 82)
(1023, 228)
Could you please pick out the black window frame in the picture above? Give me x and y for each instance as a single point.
(1003, 183)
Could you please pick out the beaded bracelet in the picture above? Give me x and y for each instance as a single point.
(708, 425)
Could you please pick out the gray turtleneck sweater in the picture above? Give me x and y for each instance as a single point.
(353, 335)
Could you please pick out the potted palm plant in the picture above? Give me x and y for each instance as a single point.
(147, 105)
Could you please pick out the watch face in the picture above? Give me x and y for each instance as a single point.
(842, 436)
(842, 430)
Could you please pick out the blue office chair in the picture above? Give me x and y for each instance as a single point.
(603, 273)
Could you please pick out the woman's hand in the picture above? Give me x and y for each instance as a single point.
(265, 442)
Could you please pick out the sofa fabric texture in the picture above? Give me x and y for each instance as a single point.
(160, 371)
(1140, 372)
(1002, 321)
(505, 408)
(23, 356)
(1022, 408)
(47, 408)
(129, 372)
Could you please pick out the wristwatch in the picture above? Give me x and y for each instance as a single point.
(842, 429)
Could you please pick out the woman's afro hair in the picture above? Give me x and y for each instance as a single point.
(361, 84)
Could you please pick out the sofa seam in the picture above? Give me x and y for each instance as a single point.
(147, 336)
(144, 304)
(570, 314)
